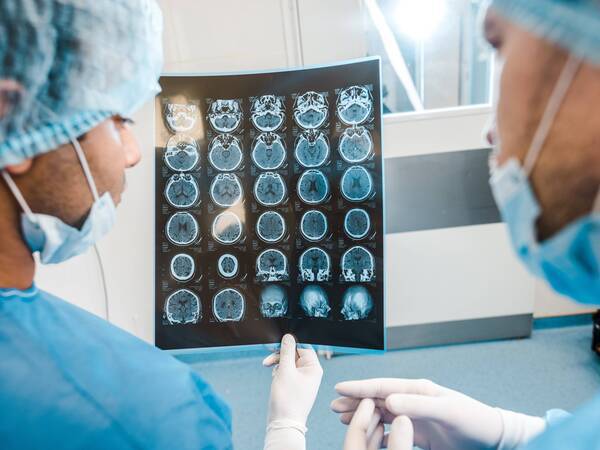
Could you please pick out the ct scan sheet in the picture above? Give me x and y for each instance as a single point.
(269, 208)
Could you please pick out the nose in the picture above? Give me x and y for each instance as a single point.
(131, 148)
(490, 132)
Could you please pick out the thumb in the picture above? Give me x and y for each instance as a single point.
(401, 434)
(357, 433)
(287, 353)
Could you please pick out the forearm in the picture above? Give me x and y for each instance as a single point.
(518, 429)
(285, 435)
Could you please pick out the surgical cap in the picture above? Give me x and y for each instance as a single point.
(74, 63)
(571, 24)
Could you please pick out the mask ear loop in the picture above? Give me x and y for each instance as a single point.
(556, 98)
(19, 196)
(85, 166)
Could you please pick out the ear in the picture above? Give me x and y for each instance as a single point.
(19, 169)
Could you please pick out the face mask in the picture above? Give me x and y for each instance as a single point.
(51, 237)
(570, 260)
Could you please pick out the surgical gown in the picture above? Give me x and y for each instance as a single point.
(69, 379)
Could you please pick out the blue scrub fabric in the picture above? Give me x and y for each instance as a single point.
(71, 380)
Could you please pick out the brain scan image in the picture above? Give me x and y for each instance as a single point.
(182, 228)
(181, 154)
(181, 117)
(312, 148)
(357, 265)
(183, 306)
(354, 104)
(357, 223)
(225, 115)
(267, 113)
(225, 152)
(226, 190)
(182, 267)
(229, 305)
(357, 303)
(227, 265)
(356, 184)
(314, 301)
(227, 228)
(271, 265)
(310, 110)
(313, 187)
(268, 151)
(269, 189)
(273, 301)
(270, 226)
(355, 144)
(313, 225)
(182, 191)
(315, 265)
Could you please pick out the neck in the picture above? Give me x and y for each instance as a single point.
(17, 266)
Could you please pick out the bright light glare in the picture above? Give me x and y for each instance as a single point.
(418, 19)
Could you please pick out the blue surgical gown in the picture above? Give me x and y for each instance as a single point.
(70, 380)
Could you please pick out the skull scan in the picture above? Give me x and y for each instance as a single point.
(183, 306)
(226, 190)
(270, 226)
(181, 117)
(311, 148)
(357, 223)
(269, 189)
(182, 267)
(182, 228)
(229, 305)
(314, 301)
(225, 152)
(181, 154)
(182, 190)
(354, 104)
(227, 265)
(355, 144)
(268, 151)
(313, 225)
(310, 110)
(273, 301)
(356, 184)
(227, 228)
(315, 265)
(225, 115)
(267, 113)
(313, 187)
(357, 303)
(271, 265)
(358, 265)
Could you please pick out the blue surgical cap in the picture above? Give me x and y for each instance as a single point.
(571, 24)
(75, 63)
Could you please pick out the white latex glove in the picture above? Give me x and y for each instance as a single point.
(293, 392)
(366, 432)
(442, 418)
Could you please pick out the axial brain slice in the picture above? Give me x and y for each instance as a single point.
(181, 117)
(310, 110)
(273, 301)
(357, 265)
(355, 144)
(229, 305)
(268, 112)
(225, 115)
(314, 301)
(357, 303)
(268, 151)
(227, 228)
(182, 191)
(315, 265)
(227, 265)
(271, 265)
(225, 152)
(226, 190)
(182, 267)
(183, 306)
(357, 223)
(269, 189)
(357, 184)
(354, 105)
(182, 228)
(313, 225)
(181, 153)
(270, 226)
(312, 148)
(313, 186)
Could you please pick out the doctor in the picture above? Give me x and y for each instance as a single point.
(545, 176)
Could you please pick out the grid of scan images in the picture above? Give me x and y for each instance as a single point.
(269, 208)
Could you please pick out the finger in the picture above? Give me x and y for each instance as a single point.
(271, 360)
(374, 442)
(344, 404)
(308, 357)
(382, 387)
(416, 407)
(401, 434)
(287, 353)
(346, 418)
(356, 436)
(375, 419)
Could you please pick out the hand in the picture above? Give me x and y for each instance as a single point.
(295, 382)
(366, 432)
(442, 418)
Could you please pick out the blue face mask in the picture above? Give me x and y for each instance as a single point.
(570, 260)
(55, 240)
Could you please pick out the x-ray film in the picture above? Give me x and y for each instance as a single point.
(269, 209)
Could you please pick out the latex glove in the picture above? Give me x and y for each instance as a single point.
(293, 392)
(366, 432)
(442, 418)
